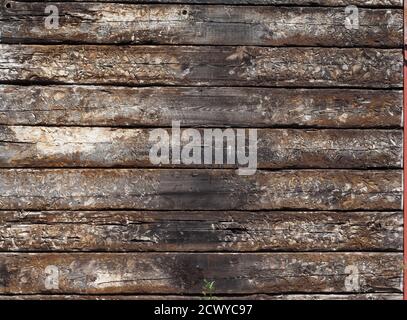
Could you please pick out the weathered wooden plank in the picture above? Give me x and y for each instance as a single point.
(299, 297)
(368, 3)
(22, 146)
(219, 107)
(200, 231)
(201, 25)
(182, 273)
(201, 189)
(202, 65)
(360, 296)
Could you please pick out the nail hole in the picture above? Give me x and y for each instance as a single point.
(184, 12)
(8, 5)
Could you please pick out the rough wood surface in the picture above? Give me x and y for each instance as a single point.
(200, 24)
(360, 296)
(202, 65)
(200, 189)
(218, 107)
(183, 273)
(200, 231)
(84, 215)
(368, 3)
(22, 146)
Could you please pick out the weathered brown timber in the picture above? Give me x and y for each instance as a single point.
(201, 25)
(85, 215)
(199, 189)
(22, 146)
(200, 231)
(219, 107)
(360, 296)
(368, 3)
(202, 65)
(181, 273)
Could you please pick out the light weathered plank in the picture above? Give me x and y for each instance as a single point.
(219, 107)
(200, 231)
(367, 3)
(202, 65)
(200, 189)
(201, 25)
(360, 296)
(22, 146)
(181, 273)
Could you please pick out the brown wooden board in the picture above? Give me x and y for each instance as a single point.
(357, 297)
(193, 231)
(215, 107)
(200, 25)
(22, 146)
(188, 189)
(366, 3)
(183, 273)
(207, 65)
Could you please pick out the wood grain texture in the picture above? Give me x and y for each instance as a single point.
(200, 65)
(200, 231)
(217, 107)
(200, 25)
(295, 297)
(83, 213)
(189, 189)
(183, 273)
(22, 146)
(368, 3)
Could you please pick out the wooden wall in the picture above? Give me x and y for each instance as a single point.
(84, 214)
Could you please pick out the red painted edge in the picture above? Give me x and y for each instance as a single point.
(405, 152)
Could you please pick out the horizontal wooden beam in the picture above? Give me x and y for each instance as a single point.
(200, 25)
(22, 146)
(218, 107)
(368, 3)
(199, 189)
(200, 231)
(182, 273)
(202, 66)
(300, 297)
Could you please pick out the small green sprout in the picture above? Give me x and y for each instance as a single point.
(208, 290)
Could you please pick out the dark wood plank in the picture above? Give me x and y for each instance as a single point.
(218, 107)
(360, 296)
(170, 273)
(183, 65)
(200, 231)
(199, 189)
(200, 25)
(22, 146)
